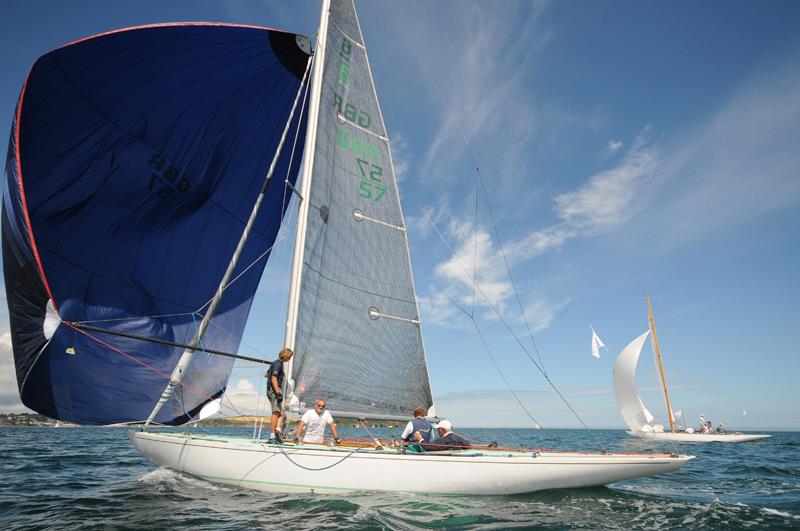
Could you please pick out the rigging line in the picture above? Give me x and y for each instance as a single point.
(117, 319)
(438, 90)
(83, 328)
(494, 361)
(232, 406)
(496, 366)
(508, 270)
(508, 327)
(144, 364)
(295, 463)
(475, 246)
(283, 201)
(480, 290)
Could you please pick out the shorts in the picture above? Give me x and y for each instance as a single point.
(273, 401)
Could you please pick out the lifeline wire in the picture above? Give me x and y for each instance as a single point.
(295, 463)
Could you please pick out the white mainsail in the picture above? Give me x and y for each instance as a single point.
(633, 410)
(356, 331)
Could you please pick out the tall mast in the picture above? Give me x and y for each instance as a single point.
(305, 185)
(660, 362)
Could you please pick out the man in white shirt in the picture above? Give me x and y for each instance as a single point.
(314, 421)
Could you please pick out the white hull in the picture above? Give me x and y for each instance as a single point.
(698, 437)
(289, 468)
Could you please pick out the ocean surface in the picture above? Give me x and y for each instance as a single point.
(93, 478)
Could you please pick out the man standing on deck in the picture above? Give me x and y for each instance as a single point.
(274, 377)
(314, 421)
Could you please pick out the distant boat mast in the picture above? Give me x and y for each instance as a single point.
(660, 363)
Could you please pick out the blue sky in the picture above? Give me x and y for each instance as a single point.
(629, 148)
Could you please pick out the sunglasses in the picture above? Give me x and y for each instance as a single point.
(320, 406)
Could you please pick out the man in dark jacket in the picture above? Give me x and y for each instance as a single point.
(275, 376)
(448, 440)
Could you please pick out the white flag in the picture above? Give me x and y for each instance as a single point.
(597, 344)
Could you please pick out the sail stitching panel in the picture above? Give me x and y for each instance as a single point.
(126, 132)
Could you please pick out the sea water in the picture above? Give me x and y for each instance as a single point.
(93, 478)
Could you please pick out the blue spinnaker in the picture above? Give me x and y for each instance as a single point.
(135, 159)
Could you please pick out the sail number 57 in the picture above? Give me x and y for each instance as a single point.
(370, 186)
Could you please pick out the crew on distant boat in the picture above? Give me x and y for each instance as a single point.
(721, 428)
(274, 377)
(419, 429)
(448, 440)
(314, 421)
(704, 425)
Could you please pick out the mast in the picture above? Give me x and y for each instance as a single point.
(305, 187)
(660, 363)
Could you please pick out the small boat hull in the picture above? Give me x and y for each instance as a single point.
(681, 436)
(321, 469)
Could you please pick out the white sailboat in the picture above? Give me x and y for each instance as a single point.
(354, 324)
(137, 158)
(638, 418)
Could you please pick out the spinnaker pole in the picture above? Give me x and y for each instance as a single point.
(660, 362)
(188, 353)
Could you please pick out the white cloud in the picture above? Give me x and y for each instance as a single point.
(479, 88)
(741, 163)
(607, 200)
(243, 398)
(613, 147)
(9, 394)
(541, 312)
(612, 197)
(401, 157)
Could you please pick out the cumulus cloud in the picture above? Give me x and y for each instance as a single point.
(613, 146)
(401, 157)
(9, 394)
(242, 398)
(605, 201)
(611, 197)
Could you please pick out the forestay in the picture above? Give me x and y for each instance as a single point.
(136, 157)
(358, 341)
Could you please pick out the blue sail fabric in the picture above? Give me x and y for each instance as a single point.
(135, 159)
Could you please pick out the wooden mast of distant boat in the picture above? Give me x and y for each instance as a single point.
(660, 363)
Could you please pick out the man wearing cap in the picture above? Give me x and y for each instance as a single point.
(448, 440)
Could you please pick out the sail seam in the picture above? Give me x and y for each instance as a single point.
(355, 288)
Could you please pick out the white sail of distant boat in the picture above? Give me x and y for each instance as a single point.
(352, 316)
(597, 344)
(633, 410)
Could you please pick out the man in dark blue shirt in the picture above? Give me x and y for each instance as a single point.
(275, 376)
(448, 440)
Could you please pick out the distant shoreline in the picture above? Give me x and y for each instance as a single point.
(34, 420)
